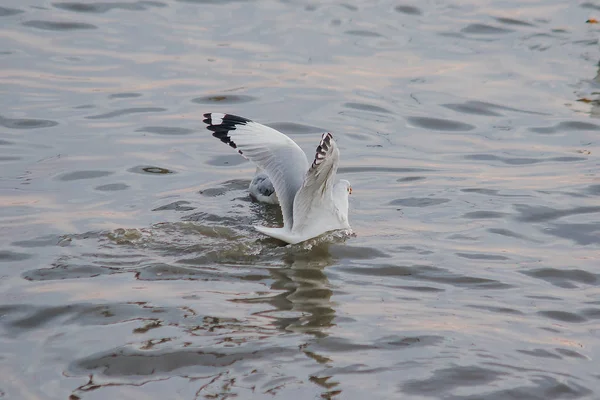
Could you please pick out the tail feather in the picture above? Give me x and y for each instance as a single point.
(282, 234)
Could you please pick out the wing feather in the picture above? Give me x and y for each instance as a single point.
(318, 184)
(276, 154)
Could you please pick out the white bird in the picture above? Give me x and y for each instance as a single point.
(310, 202)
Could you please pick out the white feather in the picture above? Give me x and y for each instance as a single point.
(310, 203)
(276, 154)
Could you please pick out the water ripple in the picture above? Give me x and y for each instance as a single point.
(73, 176)
(7, 12)
(484, 29)
(529, 213)
(439, 124)
(565, 278)
(101, 7)
(450, 378)
(166, 130)
(150, 170)
(59, 26)
(127, 111)
(514, 22)
(26, 123)
(418, 202)
(129, 262)
(521, 160)
(567, 126)
(224, 99)
(428, 273)
(406, 9)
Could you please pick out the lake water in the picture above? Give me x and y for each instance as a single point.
(128, 265)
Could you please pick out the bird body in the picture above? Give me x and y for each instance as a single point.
(261, 188)
(310, 202)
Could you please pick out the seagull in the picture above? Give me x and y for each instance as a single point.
(310, 202)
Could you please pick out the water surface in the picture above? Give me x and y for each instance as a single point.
(469, 131)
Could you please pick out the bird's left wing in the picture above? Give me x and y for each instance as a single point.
(276, 154)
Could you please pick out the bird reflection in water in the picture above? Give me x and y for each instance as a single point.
(304, 305)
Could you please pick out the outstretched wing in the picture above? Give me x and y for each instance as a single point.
(276, 154)
(318, 184)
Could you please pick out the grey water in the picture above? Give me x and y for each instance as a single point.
(469, 131)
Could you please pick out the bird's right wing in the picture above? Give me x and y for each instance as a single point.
(318, 184)
(276, 154)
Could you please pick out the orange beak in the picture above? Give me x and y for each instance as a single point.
(350, 190)
(592, 21)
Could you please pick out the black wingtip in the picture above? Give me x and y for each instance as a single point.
(322, 149)
(236, 119)
(222, 124)
(226, 119)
